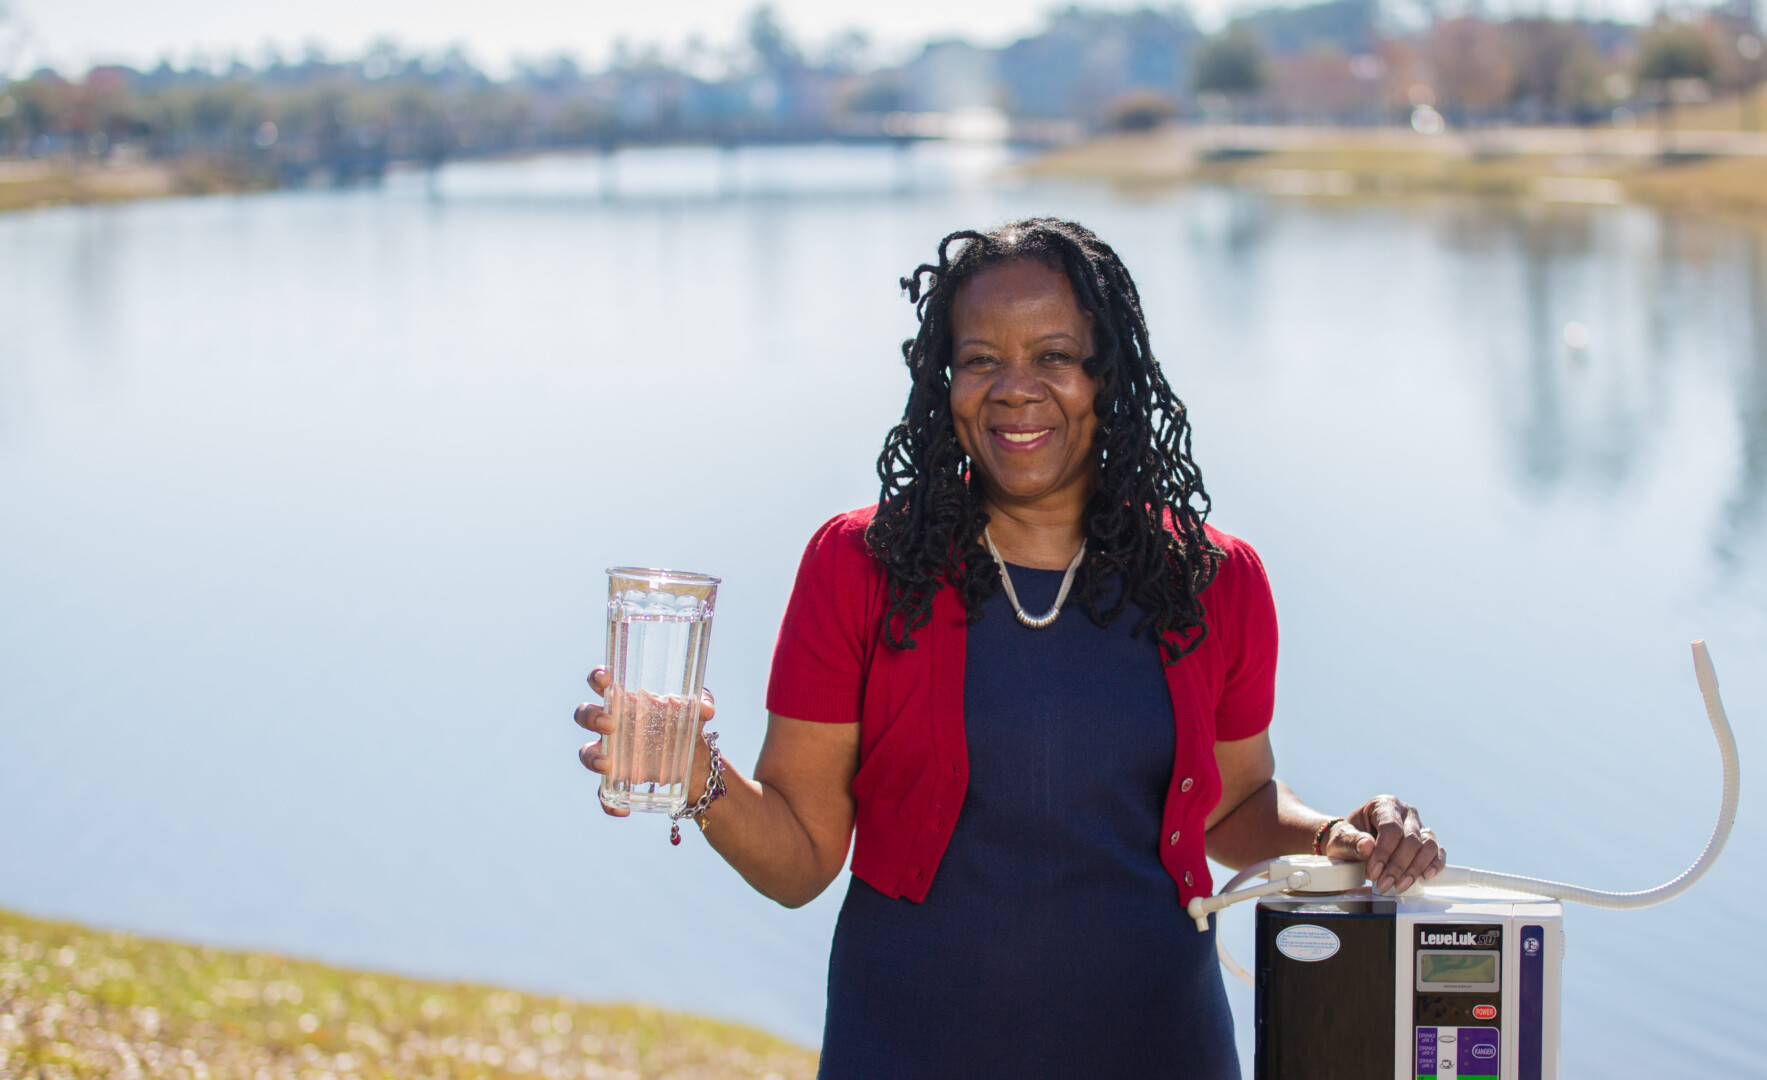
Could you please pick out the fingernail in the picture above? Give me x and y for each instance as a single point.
(1386, 885)
(1405, 883)
(1374, 869)
(1430, 873)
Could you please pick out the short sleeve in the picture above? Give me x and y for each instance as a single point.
(820, 659)
(1244, 614)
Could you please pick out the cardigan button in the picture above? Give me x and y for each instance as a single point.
(1173, 839)
(1187, 785)
(1188, 880)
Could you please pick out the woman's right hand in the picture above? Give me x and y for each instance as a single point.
(786, 831)
(595, 718)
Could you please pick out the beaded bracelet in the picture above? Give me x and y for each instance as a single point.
(1320, 834)
(714, 791)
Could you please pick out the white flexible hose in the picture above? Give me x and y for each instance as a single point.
(1450, 876)
(1577, 894)
(1227, 960)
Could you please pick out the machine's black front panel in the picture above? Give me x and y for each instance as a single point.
(1325, 990)
(1457, 1010)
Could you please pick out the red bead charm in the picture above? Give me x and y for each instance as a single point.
(675, 834)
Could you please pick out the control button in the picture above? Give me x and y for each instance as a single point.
(1188, 880)
(1173, 839)
(1187, 785)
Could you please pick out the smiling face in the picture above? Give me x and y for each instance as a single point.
(1020, 397)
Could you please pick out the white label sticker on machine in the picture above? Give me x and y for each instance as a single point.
(1307, 943)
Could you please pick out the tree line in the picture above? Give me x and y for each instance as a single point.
(1338, 62)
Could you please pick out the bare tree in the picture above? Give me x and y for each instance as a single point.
(1555, 71)
(1231, 64)
(1471, 68)
(1670, 55)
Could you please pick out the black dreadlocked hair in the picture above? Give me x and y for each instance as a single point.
(927, 531)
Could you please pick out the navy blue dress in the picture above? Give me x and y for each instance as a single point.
(1051, 943)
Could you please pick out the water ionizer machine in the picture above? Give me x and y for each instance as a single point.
(1464, 968)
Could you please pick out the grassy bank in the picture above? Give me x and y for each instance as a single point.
(1697, 164)
(27, 184)
(76, 1002)
(1352, 167)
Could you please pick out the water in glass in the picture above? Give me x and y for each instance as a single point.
(659, 625)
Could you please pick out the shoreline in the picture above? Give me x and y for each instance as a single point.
(1697, 171)
(1690, 169)
(82, 1003)
(35, 185)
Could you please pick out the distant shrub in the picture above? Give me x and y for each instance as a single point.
(1671, 51)
(1140, 110)
(1231, 63)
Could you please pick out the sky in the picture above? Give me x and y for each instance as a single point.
(72, 35)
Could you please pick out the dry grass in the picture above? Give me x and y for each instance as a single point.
(1724, 185)
(79, 1003)
(26, 184)
(1716, 170)
(1735, 113)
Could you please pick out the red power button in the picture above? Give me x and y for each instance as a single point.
(1484, 1012)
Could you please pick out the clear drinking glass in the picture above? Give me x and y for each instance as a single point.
(659, 623)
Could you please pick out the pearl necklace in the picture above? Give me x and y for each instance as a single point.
(1037, 622)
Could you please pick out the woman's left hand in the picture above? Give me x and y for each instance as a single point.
(1387, 834)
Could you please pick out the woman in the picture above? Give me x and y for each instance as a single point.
(1038, 687)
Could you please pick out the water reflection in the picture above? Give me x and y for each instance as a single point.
(1231, 220)
(1739, 533)
(1591, 333)
(1586, 320)
(1572, 415)
(644, 174)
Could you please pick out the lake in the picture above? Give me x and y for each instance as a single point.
(305, 500)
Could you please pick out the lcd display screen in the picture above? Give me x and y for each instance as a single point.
(1457, 967)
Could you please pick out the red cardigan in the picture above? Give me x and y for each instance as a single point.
(831, 665)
